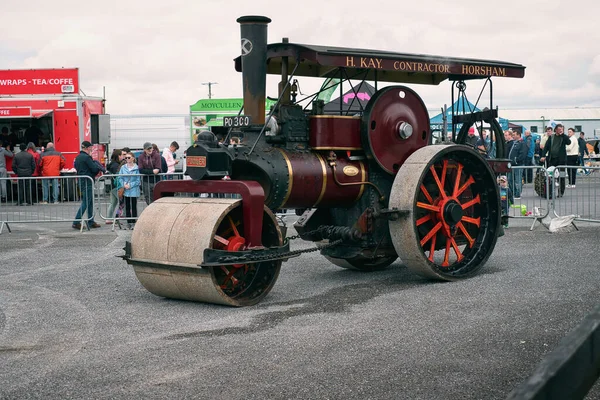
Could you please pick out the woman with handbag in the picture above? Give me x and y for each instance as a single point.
(130, 184)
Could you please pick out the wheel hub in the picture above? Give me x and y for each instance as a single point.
(452, 212)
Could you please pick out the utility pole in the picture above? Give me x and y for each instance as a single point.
(209, 84)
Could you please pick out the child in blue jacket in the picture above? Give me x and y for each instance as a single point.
(132, 188)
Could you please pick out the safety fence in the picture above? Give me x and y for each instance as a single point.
(533, 193)
(536, 191)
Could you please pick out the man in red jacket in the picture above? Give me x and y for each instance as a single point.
(51, 162)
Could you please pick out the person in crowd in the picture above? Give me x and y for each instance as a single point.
(4, 136)
(131, 184)
(13, 138)
(33, 134)
(125, 150)
(4, 154)
(31, 149)
(149, 163)
(583, 150)
(508, 139)
(471, 139)
(51, 163)
(163, 163)
(546, 136)
(114, 167)
(572, 158)
(24, 167)
(555, 152)
(517, 156)
(483, 144)
(85, 165)
(537, 151)
(505, 196)
(167, 154)
(530, 146)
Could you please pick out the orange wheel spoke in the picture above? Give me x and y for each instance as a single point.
(464, 231)
(444, 168)
(457, 181)
(428, 206)
(468, 204)
(424, 219)
(474, 221)
(445, 263)
(432, 232)
(426, 193)
(221, 240)
(456, 249)
(465, 186)
(437, 181)
(233, 227)
(432, 249)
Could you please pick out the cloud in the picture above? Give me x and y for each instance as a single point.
(153, 57)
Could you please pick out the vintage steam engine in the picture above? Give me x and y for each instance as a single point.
(369, 188)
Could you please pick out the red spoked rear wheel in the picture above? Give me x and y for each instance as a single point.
(451, 199)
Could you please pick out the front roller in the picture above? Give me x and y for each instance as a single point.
(449, 212)
(168, 242)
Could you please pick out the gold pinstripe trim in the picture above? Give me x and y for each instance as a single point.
(291, 178)
(336, 148)
(334, 116)
(324, 186)
(362, 179)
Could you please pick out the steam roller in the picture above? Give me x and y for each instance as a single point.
(174, 231)
(367, 183)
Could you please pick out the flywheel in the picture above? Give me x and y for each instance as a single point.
(395, 124)
(449, 212)
(173, 232)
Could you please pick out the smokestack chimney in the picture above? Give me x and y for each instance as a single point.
(254, 65)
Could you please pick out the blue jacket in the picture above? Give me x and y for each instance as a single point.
(134, 181)
(85, 165)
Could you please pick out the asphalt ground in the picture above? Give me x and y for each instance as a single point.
(75, 323)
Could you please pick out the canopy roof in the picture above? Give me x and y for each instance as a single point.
(460, 106)
(385, 66)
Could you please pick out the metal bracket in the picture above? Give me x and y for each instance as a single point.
(392, 214)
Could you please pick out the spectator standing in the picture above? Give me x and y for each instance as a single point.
(167, 154)
(149, 165)
(483, 144)
(572, 158)
(51, 163)
(471, 139)
(583, 150)
(517, 156)
(530, 146)
(537, 151)
(86, 166)
(163, 162)
(131, 184)
(24, 167)
(114, 167)
(555, 152)
(4, 153)
(36, 156)
(546, 136)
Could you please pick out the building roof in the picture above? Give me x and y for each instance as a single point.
(557, 114)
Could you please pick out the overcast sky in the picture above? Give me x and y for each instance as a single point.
(152, 56)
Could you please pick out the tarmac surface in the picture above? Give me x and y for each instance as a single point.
(75, 323)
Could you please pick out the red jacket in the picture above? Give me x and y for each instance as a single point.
(51, 162)
(36, 159)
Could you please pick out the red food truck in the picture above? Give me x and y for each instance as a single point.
(45, 105)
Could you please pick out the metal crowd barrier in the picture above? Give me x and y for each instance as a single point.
(25, 202)
(529, 198)
(112, 209)
(581, 195)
